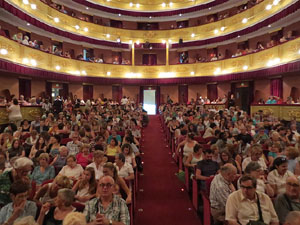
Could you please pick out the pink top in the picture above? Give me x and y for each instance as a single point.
(84, 161)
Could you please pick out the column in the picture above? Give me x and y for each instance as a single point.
(167, 53)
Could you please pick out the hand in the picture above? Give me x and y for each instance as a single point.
(18, 209)
(45, 207)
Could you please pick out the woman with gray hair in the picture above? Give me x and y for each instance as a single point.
(254, 169)
(21, 168)
(53, 213)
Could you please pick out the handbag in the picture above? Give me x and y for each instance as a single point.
(260, 221)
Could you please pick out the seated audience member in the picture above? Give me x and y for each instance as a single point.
(75, 218)
(54, 145)
(194, 157)
(18, 37)
(253, 169)
(260, 137)
(129, 155)
(290, 200)
(125, 169)
(85, 187)
(96, 209)
(61, 159)
(97, 164)
(19, 207)
(210, 131)
(21, 168)
(271, 100)
(293, 218)
(188, 146)
(206, 168)
(74, 145)
(110, 170)
(292, 155)
(113, 147)
(256, 155)
(84, 157)
(72, 170)
(25, 40)
(243, 206)
(49, 191)
(279, 174)
(221, 187)
(44, 171)
(54, 214)
(273, 153)
(226, 157)
(16, 149)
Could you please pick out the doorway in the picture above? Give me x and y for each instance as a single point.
(242, 98)
(149, 102)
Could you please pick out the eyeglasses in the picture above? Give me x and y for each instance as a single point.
(293, 184)
(108, 185)
(247, 187)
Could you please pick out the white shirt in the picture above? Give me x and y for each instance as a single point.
(125, 171)
(261, 162)
(72, 172)
(15, 112)
(275, 178)
(98, 172)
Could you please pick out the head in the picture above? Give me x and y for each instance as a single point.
(126, 149)
(198, 149)
(63, 151)
(89, 174)
(105, 186)
(75, 218)
(23, 166)
(190, 136)
(293, 218)
(98, 156)
(113, 142)
(248, 186)
(110, 170)
(228, 171)
(65, 197)
(208, 154)
(85, 149)
(120, 159)
(253, 169)
(256, 152)
(71, 161)
(44, 159)
(19, 192)
(61, 182)
(15, 101)
(292, 187)
(15, 144)
(292, 152)
(225, 156)
(56, 139)
(281, 165)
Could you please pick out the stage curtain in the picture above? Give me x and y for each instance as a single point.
(212, 91)
(276, 87)
(157, 99)
(49, 90)
(141, 95)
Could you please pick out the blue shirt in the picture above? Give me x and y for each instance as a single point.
(118, 137)
(40, 177)
(7, 211)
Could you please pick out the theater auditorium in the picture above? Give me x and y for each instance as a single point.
(139, 112)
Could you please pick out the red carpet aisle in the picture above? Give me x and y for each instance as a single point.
(160, 199)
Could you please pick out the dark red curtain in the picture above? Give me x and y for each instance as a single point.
(149, 59)
(212, 91)
(88, 92)
(276, 87)
(65, 91)
(117, 93)
(183, 92)
(25, 88)
(48, 90)
(141, 95)
(157, 99)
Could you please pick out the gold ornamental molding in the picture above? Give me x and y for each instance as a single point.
(281, 54)
(226, 26)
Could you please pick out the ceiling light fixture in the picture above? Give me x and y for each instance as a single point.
(245, 20)
(3, 51)
(163, 4)
(86, 29)
(33, 6)
(56, 20)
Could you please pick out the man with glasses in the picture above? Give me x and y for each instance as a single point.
(74, 145)
(19, 207)
(247, 205)
(107, 209)
(290, 200)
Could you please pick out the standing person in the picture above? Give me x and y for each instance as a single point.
(108, 208)
(231, 101)
(57, 105)
(14, 112)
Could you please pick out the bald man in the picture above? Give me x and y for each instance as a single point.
(293, 218)
(221, 187)
(290, 200)
(107, 209)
